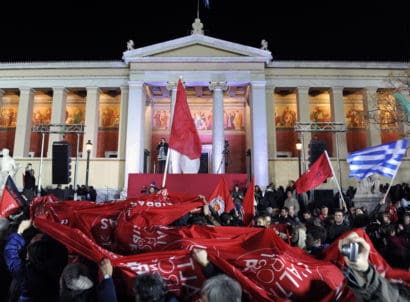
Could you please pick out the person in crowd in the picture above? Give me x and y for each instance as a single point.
(29, 182)
(237, 197)
(363, 279)
(151, 287)
(324, 215)
(37, 271)
(338, 227)
(316, 240)
(284, 216)
(77, 285)
(218, 287)
(221, 288)
(162, 149)
(291, 201)
(392, 210)
(5, 278)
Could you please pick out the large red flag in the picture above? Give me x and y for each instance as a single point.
(221, 199)
(248, 204)
(184, 139)
(11, 199)
(315, 176)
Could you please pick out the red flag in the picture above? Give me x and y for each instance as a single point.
(248, 204)
(11, 199)
(315, 176)
(184, 136)
(221, 199)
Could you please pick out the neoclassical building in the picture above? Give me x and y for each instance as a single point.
(249, 109)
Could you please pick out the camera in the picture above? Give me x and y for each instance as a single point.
(351, 251)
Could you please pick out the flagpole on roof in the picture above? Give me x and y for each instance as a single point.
(343, 204)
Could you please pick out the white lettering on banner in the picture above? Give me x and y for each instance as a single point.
(150, 203)
(147, 238)
(175, 271)
(273, 272)
(253, 265)
(108, 223)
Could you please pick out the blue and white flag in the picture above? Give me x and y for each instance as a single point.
(382, 159)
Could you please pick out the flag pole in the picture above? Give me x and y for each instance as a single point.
(164, 178)
(337, 183)
(391, 182)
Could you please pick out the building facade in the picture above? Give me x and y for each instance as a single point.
(249, 109)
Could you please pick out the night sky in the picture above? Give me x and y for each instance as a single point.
(335, 31)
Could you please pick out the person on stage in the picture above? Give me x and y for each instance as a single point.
(162, 149)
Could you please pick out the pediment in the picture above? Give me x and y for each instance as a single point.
(197, 47)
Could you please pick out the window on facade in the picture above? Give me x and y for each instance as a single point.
(41, 115)
(108, 123)
(355, 119)
(389, 116)
(9, 103)
(75, 114)
(285, 117)
(320, 112)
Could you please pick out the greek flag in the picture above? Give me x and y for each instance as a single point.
(382, 159)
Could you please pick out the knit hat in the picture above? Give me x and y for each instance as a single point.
(74, 277)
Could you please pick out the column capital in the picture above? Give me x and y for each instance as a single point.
(136, 84)
(171, 85)
(337, 88)
(124, 89)
(26, 90)
(62, 89)
(258, 84)
(218, 86)
(302, 89)
(93, 88)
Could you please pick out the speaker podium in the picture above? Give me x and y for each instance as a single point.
(61, 162)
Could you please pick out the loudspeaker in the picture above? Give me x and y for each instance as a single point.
(316, 148)
(61, 166)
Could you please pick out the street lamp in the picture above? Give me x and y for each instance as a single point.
(88, 147)
(299, 148)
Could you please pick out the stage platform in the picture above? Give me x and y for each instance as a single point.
(185, 183)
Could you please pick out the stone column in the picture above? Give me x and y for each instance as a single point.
(172, 86)
(302, 94)
(218, 137)
(123, 122)
(58, 111)
(134, 153)
(270, 115)
(373, 134)
(24, 123)
(91, 119)
(338, 109)
(259, 150)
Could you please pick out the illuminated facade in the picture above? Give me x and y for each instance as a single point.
(236, 93)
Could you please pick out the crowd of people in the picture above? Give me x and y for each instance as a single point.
(35, 267)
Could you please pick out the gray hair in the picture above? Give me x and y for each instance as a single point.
(222, 288)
